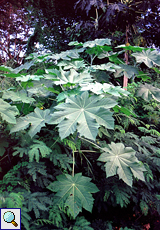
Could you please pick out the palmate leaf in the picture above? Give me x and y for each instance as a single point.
(127, 70)
(97, 42)
(150, 58)
(8, 112)
(64, 77)
(17, 96)
(67, 55)
(85, 114)
(122, 161)
(132, 48)
(37, 119)
(99, 88)
(72, 65)
(107, 67)
(148, 92)
(74, 192)
(25, 78)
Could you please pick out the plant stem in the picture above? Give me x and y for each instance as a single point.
(73, 164)
(89, 142)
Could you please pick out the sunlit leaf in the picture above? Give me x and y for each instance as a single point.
(97, 42)
(121, 160)
(147, 92)
(36, 119)
(8, 112)
(150, 58)
(83, 113)
(17, 96)
(71, 76)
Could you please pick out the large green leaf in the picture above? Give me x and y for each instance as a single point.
(37, 119)
(72, 65)
(150, 58)
(17, 96)
(97, 42)
(26, 66)
(127, 70)
(8, 112)
(85, 114)
(74, 192)
(107, 67)
(99, 88)
(71, 76)
(132, 48)
(147, 92)
(67, 55)
(40, 88)
(25, 78)
(121, 160)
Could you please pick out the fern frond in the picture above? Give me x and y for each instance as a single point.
(144, 207)
(37, 148)
(150, 131)
(82, 223)
(56, 216)
(42, 221)
(148, 107)
(25, 218)
(61, 160)
(14, 200)
(37, 201)
(70, 144)
(148, 139)
(35, 168)
(122, 197)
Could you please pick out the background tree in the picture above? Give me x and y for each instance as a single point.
(15, 26)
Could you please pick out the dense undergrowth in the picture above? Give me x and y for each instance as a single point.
(77, 151)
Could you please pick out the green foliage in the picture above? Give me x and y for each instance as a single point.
(74, 193)
(56, 216)
(36, 119)
(34, 150)
(17, 96)
(37, 202)
(71, 76)
(14, 200)
(122, 197)
(81, 223)
(63, 117)
(3, 145)
(148, 92)
(25, 218)
(61, 160)
(85, 111)
(122, 161)
(8, 112)
(150, 58)
(144, 207)
(35, 168)
(37, 148)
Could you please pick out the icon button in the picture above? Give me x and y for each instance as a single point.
(10, 218)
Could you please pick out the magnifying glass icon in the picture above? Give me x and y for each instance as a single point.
(9, 217)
